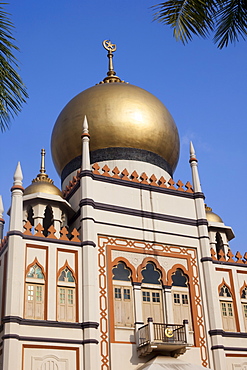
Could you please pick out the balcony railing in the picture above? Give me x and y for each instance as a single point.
(168, 338)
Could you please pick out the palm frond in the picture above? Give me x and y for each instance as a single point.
(186, 17)
(12, 90)
(231, 22)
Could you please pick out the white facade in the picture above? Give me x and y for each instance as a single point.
(125, 271)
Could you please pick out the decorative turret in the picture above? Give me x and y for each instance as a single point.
(42, 183)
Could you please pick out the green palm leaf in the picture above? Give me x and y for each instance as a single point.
(12, 89)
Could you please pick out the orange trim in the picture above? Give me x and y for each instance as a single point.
(173, 269)
(75, 275)
(157, 265)
(242, 271)
(235, 355)
(233, 295)
(35, 262)
(136, 246)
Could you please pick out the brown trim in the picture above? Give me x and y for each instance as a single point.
(128, 264)
(17, 187)
(33, 246)
(138, 246)
(145, 261)
(233, 295)
(235, 355)
(75, 275)
(173, 269)
(222, 284)
(76, 349)
(5, 266)
(241, 271)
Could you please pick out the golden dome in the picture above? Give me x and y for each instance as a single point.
(42, 187)
(119, 115)
(42, 183)
(211, 216)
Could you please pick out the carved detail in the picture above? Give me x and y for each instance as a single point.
(213, 253)
(144, 178)
(222, 255)
(134, 176)
(238, 255)
(230, 255)
(125, 174)
(106, 170)
(96, 168)
(39, 228)
(28, 227)
(116, 172)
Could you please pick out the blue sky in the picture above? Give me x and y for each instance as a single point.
(204, 88)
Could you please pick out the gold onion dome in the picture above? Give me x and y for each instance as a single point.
(125, 122)
(42, 183)
(211, 216)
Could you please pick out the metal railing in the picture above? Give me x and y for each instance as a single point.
(169, 333)
(161, 333)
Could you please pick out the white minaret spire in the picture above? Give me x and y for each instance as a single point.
(16, 201)
(1, 218)
(194, 169)
(85, 163)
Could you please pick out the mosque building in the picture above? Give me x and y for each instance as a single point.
(123, 268)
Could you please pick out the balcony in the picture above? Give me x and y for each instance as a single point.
(167, 339)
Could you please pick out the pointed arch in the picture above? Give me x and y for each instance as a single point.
(127, 264)
(243, 288)
(173, 270)
(157, 266)
(66, 265)
(35, 262)
(222, 284)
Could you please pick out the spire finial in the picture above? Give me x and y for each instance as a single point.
(18, 177)
(42, 166)
(1, 208)
(110, 48)
(111, 74)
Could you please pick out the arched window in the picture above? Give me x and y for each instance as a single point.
(123, 297)
(152, 300)
(66, 295)
(34, 292)
(243, 292)
(181, 298)
(226, 305)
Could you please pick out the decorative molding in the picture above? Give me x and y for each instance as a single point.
(88, 242)
(49, 323)
(139, 213)
(229, 348)
(48, 340)
(227, 334)
(105, 263)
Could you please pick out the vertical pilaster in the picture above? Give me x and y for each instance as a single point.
(89, 260)
(206, 267)
(14, 285)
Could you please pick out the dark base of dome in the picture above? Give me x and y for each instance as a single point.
(107, 154)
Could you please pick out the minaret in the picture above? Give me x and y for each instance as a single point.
(90, 312)
(204, 255)
(16, 209)
(1, 218)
